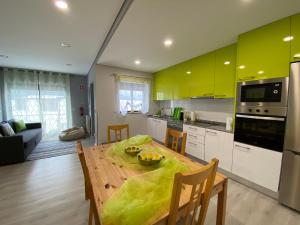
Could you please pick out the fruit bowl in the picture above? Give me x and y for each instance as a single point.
(150, 158)
(134, 150)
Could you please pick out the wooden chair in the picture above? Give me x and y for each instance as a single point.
(201, 183)
(118, 131)
(89, 195)
(175, 136)
(84, 169)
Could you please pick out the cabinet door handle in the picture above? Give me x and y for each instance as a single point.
(247, 78)
(220, 96)
(211, 132)
(191, 143)
(193, 136)
(245, 149)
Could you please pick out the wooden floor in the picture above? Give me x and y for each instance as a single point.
(50, 191)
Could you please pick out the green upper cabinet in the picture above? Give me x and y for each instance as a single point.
(264, 52)
(202, 75)
(225, 68)
(163, 86)
(295, 33)
(181, 80)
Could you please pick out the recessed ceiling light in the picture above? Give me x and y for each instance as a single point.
(168, 42)
(61, 5)
(226, 62)
(66, 45)
(4, 56)
(261, 72)
(137, 62)
(242, 67)
(188, 72)
(68, 64)
(288, 38)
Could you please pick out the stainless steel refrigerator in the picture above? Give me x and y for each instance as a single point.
(289, 189)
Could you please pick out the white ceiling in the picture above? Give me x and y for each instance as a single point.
(31, 32)
(196, 26)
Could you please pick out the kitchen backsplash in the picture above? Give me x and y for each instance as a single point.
(206, 109)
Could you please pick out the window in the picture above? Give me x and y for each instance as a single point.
(133, 94)
(39, 97)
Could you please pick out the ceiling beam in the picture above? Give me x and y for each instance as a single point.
(123, 10)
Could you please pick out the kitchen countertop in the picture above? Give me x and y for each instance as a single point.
(202, 123)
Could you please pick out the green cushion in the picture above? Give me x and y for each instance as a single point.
(20, 125)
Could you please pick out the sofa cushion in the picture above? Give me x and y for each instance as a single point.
(7, 129)
(19, 125)
(29, 134)
(12, 124)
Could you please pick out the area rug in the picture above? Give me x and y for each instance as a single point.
(52, 148)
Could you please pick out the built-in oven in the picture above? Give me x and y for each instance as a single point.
(261, 131)
(263, 97)
(261, 113)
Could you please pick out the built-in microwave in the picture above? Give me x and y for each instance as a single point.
(264, 97)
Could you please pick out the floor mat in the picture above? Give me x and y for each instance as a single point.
(52, 148)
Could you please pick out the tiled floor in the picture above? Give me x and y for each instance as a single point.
(50, 191)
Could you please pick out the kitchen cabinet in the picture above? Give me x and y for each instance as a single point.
(163, 85)
(181, 80)
(295, 33)
(259, 165)
(202, 75)
(219, 145)
(195, 141)
(225, 72)
(264, 52)
(157, 129)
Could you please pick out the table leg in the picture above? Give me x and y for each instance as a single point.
(222, 200)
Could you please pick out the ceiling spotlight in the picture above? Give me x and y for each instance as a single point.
(168, 42)
(137, 62)
(65, 45)
(261, 72)
(288, 38)
(4, 56)
(188, 72)
(242, 67)
(61, 5)
(226, 62)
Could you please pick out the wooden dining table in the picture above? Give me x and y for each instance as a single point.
(107, 177)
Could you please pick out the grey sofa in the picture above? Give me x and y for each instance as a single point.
(16, 148)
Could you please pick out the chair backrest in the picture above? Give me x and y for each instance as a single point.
(82, 161)
(201, 183)
(174, 136)
(118, 131)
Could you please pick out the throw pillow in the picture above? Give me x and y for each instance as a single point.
(7, 130)
(19, 125)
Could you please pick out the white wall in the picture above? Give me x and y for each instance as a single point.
(105, 102)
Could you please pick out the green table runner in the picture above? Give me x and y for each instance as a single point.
(143, 198)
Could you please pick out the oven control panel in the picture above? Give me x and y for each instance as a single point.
(258, 110)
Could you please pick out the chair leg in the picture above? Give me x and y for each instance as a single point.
(91, 214)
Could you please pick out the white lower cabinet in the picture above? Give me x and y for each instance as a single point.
(219, 145)
(195, 149)
(259, 165)
(195, 141)
(157, 129)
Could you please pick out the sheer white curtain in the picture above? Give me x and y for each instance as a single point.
(132, 94)
(39, 97)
